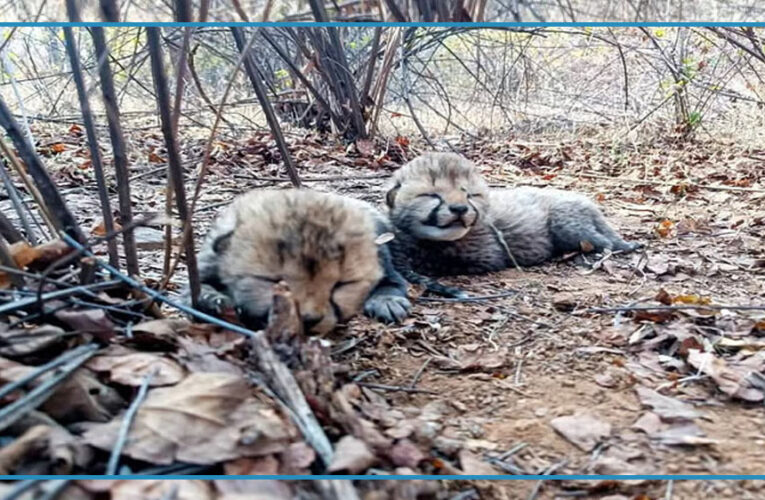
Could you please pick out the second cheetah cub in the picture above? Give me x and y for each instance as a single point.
(449, 222)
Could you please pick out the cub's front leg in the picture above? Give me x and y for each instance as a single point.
(388, 302)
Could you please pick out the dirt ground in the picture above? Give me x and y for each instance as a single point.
(656, 391)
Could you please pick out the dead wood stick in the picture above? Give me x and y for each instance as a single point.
(8, 231)
(419, 373)
(282, 324)
(547, 472)
(55, 363)
(173, 156)
(479, 298)
(55, 491)
(127, 422)
(92, 136)
(170, 270)
(253, 73)
(14, 162)
(110, 10)
(22, 210)
(299, 74)
(119, 152)
(20, 488)
(42, 392)
(394, 388)
(29, 301)
(673, 308)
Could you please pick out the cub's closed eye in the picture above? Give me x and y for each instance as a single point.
(475, 195)
(429, 195)
(270, 279)
(341, 284)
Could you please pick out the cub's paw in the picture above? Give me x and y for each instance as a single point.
(631, 246)
(387, 308)
(216, 303)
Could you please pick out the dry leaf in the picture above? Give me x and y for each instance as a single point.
(657, 316)
(267, 465)
(81, 397)
(664, 406)
(59, 147)
(130, 368)
(92, 321)
(664, 297)
(406, 454)
(38, 257)
(649, 422)
(473, 358)
(352, 455)
(207, 418)
(471, 465)
(664, 228)
(365, 147)
(20, 342)
(297, 458)
(691, 299)
(100, 229)
(23, 448)
(730, 378)
(155, 158)
(184, 489)
(584, 431)
(687, 433)
(242, 489)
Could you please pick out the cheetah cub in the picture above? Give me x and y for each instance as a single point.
(326, 247)
(447, 221)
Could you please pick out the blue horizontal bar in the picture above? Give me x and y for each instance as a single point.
(400, 477)
(297, 24)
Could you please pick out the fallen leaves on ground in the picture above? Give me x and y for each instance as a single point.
(207, 418)
(583, 430)
(128, 367)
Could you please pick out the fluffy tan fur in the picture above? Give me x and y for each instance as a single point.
(322, 245)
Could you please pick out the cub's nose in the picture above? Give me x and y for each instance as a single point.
(311, 320)
(458, 209)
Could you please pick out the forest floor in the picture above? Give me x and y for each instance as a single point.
(548, 380)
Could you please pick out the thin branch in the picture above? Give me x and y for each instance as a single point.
(90, 129)
(37, 396)
(127, 422)
(173, 157)
(260, 91)
(8, 231)
(62, 217)
(119, 152)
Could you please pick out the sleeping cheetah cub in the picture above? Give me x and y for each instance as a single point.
(448, 221)
(324, 246)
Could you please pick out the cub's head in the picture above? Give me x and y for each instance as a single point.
(322, 245)
(438, 196)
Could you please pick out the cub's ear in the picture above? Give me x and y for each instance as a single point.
(390, 196)
(222, 242)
